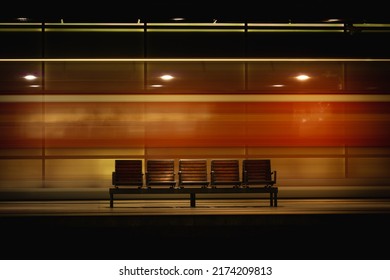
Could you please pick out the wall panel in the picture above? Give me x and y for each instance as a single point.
(368, 167)
(295, 151)
(95, 152)
(309, 168)
(78, 173)
(21, 173)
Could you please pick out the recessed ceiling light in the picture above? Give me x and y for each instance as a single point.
(166, 77)
(30, 77)
(302, 77)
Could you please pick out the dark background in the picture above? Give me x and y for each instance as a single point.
(197, 10)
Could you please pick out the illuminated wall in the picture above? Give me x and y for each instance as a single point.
(326, 136)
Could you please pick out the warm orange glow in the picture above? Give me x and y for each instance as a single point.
(194, 124)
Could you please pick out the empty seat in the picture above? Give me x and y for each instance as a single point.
(225, 172)
(160, 172)
(128, 172)
(258, 172)
(193, 172)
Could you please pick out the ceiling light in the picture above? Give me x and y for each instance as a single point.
(166, 77)
(302, 77)
(30, 77)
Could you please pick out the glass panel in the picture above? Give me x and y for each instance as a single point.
(368, 167)
(309, 168)
(295, 151)
(198, 152)
(233, 76)
(94, 125)
(21, 126)
(195, 40)
(195, 77)
(14, 79)
(20, 170)
(79, 169)
(21, 40)
(369, 76)
(96, 152)
(297, 44)
(94, 40)
(284, 76)
(93, 77)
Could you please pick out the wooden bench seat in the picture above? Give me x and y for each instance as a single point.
(193, 172)
(257, 172)
(128, 173)
(160, 172)
(225, 172)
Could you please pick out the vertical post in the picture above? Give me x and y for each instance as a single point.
(111, 199)
(192, 199)
(276, 198)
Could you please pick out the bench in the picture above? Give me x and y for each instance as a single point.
(224, 174)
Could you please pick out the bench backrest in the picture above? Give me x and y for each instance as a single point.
(225, 172)
(257, 171)
(160, 172)
(193, 172)
(128, 173)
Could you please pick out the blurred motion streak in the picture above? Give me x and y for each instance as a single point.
(194, 124)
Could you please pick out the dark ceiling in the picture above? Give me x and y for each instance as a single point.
(198, 11)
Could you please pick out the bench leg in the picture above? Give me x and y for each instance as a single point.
(275, 199)
(192, 199)
(111, 200)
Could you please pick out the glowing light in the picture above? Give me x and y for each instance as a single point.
(333, 20)
(302, 77)
(166, 77)
(30, 77)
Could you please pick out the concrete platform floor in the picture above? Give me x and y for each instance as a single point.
(214, 229)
